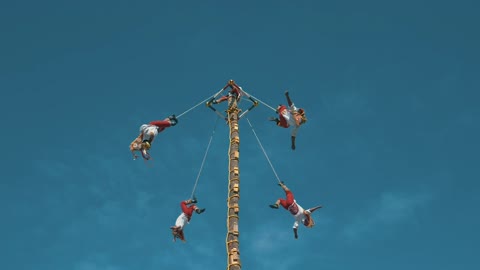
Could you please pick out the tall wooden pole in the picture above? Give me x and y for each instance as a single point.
(233, 250)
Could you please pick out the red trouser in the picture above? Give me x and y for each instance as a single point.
(161, 124)
(283, 122)
(289, 201)
(187, 210)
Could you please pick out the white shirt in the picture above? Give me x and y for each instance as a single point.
(289, 116)
(299, 216)
(181, 221)
(148, 131)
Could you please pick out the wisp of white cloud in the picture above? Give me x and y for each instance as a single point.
(389, 209)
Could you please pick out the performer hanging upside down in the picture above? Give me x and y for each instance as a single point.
(184, 218)
(300, 215)
(148, 132)
(291, 116)
(236, 91)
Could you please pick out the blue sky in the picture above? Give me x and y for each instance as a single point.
(390, 149)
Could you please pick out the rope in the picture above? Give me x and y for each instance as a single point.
(264, 152)
(261, 101)
(200, 103)
(204, 157)
(218, 93)
(246, 98)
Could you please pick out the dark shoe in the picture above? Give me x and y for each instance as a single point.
(276, 120)
(274, 206)
(173, 119)
(199, 211)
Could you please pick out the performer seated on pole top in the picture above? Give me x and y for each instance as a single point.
(300, 215)
(148, 132)
(184, 217)
(236, 91)
(291, 116)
